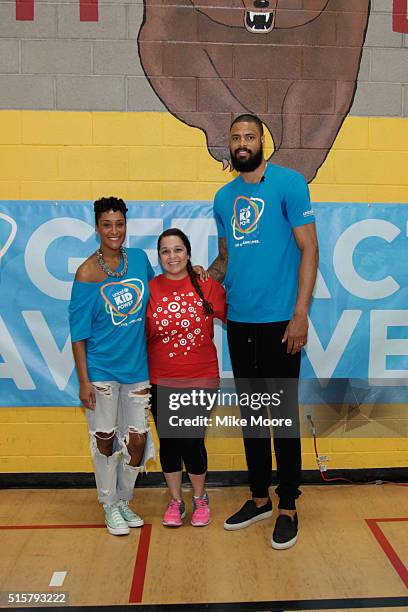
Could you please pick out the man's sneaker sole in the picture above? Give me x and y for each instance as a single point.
(118, 530)
(182, 516)
(284, 545)
(255, 519)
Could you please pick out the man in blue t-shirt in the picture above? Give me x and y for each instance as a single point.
(268, 257)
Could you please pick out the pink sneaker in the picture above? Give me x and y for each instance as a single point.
(201, 511)
(176, 511)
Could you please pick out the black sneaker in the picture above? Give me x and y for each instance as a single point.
(285, 532)
(247, 515)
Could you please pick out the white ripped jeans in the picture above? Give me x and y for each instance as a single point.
(119, 411)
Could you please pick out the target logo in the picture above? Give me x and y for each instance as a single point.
(173, 307)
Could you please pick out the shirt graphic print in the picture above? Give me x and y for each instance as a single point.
(123, 300)
(179, 322)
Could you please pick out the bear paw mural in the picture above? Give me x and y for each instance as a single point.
(292, 62)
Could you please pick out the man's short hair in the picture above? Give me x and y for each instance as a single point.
(248, 118)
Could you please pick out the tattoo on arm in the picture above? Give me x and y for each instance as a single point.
(218, 267)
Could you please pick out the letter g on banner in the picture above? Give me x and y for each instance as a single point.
(13, 231)
(36, 250)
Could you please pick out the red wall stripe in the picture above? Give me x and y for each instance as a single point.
(25, 10)
(88, 10)
(400, 16)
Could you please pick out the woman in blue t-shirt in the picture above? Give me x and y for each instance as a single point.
(107, 320)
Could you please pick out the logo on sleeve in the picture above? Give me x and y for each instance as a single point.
(123, 299)
(246, 217)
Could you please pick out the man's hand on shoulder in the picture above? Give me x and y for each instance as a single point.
(201, 273)
(296, 333)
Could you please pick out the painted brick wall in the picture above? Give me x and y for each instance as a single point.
(57, 61)
(56, 440)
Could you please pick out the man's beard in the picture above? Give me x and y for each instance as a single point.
(253, 161)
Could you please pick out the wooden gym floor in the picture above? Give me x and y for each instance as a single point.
(351, 554)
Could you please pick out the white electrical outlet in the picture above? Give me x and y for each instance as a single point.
(307, 411)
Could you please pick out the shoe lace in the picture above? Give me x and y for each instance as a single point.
(200, 503)
(115, 514)
(174, 504)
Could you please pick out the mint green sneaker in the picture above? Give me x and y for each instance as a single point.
(115, 523)
(131, 518)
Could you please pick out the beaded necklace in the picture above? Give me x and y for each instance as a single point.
(105, 268)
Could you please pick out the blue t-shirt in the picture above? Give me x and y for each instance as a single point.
(110, 317)
(263, 257)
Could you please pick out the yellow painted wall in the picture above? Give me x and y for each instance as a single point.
(152, 156)
(56, 440)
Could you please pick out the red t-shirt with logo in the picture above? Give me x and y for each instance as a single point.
(180, 334)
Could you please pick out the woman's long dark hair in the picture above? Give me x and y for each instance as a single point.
(208, 309)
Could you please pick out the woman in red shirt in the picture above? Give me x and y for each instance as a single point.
(182, 356)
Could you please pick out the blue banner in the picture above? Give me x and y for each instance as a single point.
(358, 318)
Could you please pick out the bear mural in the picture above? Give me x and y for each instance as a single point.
(294, 63)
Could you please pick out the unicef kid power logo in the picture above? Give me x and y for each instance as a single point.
(246, 217)
(123, 298)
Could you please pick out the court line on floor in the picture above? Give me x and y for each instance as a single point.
(386, 546)
(139, 572)
(93, 526)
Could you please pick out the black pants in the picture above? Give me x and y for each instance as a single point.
(258, 355)
(176, 451)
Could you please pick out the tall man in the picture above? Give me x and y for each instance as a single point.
(268, 255)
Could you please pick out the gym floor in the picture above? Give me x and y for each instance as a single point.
(351, 554)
